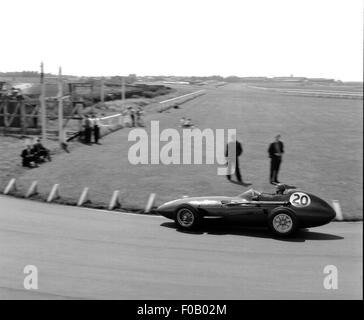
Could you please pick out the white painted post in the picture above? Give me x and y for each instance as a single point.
(32, 189)
(337, 208)
(150, 203)
(60, 107)
(123, 90)
(11, 186)
(54, 193)
(43, 103)
(102, 90)
(64, 135)
(83, 198)
(114, 201)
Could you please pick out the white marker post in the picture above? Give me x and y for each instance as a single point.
(11, 186)
(150, 203)
(54, 194)
(33, 189)
(114, 201)
(83, 198)
(337, 208)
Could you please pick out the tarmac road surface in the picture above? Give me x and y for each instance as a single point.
(94, 254)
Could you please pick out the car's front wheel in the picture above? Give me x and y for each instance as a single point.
(187, 217)
(282, 222)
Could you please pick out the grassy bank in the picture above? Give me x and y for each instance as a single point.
(323, 139)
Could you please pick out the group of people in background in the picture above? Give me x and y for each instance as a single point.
(134, 117)
(234, 150)
(14, 94)
(35, 154)
(91, 127)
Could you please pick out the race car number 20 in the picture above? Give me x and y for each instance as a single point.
(300, 199)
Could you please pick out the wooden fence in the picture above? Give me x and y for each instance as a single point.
(19, 116)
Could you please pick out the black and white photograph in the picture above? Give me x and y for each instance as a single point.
(186, 151)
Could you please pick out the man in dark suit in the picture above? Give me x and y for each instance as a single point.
(88, 129)
(276, 150)
(95, 128)
(232, 153)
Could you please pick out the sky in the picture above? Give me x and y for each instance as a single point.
(312, 38)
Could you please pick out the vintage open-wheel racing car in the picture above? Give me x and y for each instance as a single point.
(283, 212)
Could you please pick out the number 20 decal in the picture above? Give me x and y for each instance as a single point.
(299, 199)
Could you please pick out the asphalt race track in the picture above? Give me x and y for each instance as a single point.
(91, 254)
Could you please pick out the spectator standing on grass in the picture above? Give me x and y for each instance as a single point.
(233, 151)
(126, 118)
(139, 119)
(96, 129)
(87, 127)
(275, 151)
(92, 124)
(132, 116)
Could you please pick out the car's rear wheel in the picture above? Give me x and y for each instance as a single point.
(282, 222)
(187, 217)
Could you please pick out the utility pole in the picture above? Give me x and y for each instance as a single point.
(60, 106)
(123, 90)
(42, 102)
(102, 90)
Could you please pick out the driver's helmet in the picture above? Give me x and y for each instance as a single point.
(280, 188)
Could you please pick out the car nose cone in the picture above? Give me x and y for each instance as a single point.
(327, 212)
(331, 214)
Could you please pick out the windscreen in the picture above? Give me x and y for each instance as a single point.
(249, 194)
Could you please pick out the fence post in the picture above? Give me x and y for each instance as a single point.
(6, 123)
(43, 103)
(123, 90)
(102, 90)
(23, 122)
(60, 107)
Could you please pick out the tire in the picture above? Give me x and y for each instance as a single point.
(187, 217)
(282, 222)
